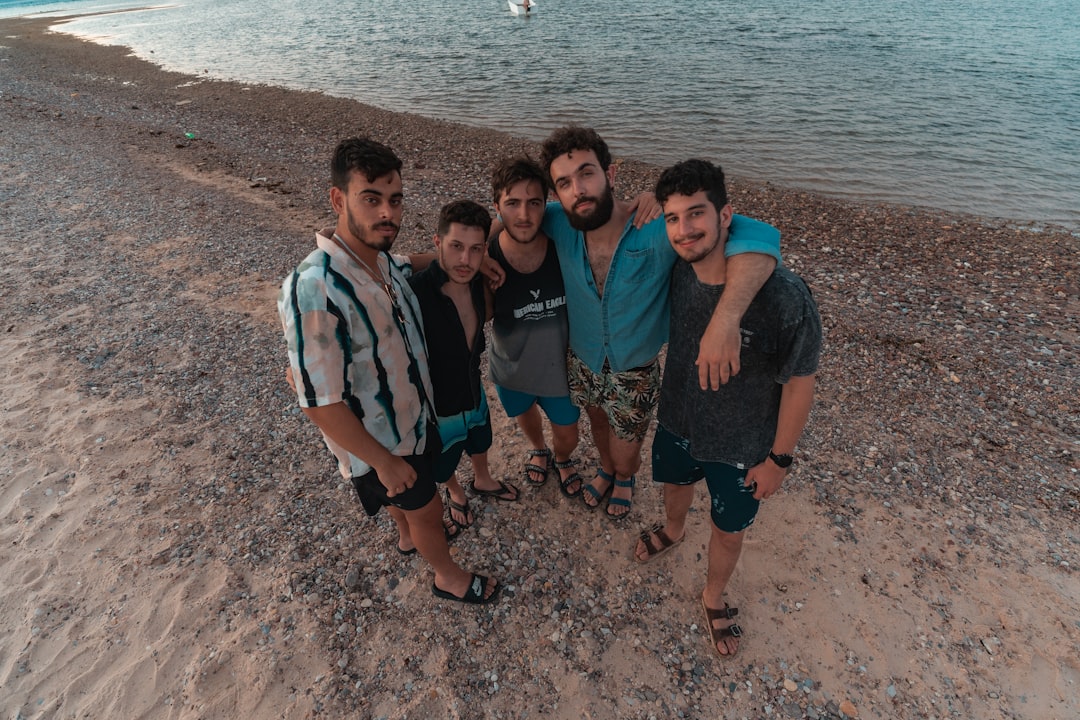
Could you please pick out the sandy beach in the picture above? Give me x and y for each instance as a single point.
(176, 542)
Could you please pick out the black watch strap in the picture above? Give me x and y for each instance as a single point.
(783, 461)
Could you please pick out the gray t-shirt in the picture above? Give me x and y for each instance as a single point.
(781, 338)
(529, 328)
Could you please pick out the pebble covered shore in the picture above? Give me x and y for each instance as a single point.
(926, 544)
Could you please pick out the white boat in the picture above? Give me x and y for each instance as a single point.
(518, 7)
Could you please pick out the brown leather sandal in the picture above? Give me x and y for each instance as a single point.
(717, 634)
(653, 551)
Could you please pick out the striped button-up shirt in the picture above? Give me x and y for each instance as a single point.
(347, 343)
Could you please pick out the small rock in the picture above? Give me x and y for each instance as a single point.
(849, 709)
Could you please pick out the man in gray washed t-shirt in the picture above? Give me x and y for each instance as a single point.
(739, 438)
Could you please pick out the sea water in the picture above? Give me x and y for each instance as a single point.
(967, 105)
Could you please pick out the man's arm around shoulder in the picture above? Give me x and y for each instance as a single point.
(753, 250)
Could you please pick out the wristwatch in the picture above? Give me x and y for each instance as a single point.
(783, 461)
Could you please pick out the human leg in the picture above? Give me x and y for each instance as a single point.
(426, 530)
(477, 444)
(458, 501)
(626, 458)
(600, 430)
(724, 551)
(405, 544)
(678, 471)
(623, 402)
(563, 417)
(564, 440)
(444, 471)
(587, 390)
(526, 413)
(373, 497)
(677, 502)
(733, 510)
(533, 429)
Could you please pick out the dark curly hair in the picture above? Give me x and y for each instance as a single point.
(574, 137)
(691, 176)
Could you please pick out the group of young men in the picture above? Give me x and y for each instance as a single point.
(586, 291)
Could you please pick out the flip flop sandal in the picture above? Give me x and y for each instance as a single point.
(461, 508)
(654, 551)
(473, 596)
(565, 483)
(619, 502)
(498, 494)
(590, 491)
(451, 529)
(718, 634)
(406, 552)
(531, 467)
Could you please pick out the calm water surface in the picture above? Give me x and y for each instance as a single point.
(968, 105)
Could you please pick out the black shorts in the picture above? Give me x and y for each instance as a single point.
(373, 493)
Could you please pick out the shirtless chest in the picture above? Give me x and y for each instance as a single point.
(469, 321)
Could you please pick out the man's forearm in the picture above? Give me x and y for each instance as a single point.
(720, 348)
(746, 274)
(420, 261)
(339, 424)
(795, 403)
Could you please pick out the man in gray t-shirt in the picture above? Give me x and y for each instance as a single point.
(529, 329)
(739, 438)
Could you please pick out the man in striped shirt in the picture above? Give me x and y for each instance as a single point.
(356, 352)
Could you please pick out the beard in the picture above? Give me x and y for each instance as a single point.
(372, 239)
(451, 271)
(520, 237)
(602, 209)
(698, 254)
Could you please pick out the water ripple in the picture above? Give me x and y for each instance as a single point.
(960, 104)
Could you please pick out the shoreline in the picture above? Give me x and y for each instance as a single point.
(1026, 224)
(179, 544)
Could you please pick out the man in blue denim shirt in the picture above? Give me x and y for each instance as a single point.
(617, 279)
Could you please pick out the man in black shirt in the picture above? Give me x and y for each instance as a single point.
(453, 302)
